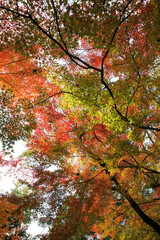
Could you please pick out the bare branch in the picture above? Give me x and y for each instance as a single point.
(94, 176)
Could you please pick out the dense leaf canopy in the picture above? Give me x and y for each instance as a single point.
(85, 76)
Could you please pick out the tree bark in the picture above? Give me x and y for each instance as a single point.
(135, 206)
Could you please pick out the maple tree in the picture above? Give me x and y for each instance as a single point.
(22, 86)
(11, 217)
(98, 120)
(15, 122)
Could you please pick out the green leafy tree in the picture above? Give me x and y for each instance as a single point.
(101, 128)
(15, 122)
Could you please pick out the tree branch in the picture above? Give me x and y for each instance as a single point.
(149, 221)
(94, 176)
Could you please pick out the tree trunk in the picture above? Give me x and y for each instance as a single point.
(135, 206)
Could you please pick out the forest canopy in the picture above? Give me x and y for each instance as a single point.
(80, 83)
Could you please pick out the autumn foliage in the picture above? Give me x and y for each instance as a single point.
(80, 81)
(10, 220)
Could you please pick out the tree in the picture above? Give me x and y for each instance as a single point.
(22, 86)
(15, 121)
(105, 113)
(11, 218)
(24, 76)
